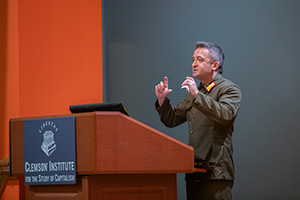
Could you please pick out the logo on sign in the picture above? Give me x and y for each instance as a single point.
(48, 146)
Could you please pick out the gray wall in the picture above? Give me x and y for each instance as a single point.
(147, 39)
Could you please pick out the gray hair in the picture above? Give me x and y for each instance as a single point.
(216, 53)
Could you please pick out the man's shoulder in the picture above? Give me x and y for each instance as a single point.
(225, 85)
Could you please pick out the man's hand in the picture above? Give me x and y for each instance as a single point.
(162, 91)
(190, 82)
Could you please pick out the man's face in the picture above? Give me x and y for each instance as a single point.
(202, 66)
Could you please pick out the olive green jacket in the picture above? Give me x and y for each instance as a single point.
(210, 118)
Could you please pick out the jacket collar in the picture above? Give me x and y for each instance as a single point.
(209, 86)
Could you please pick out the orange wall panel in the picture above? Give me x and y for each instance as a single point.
(3, 43)
(9, 102)
(60, 55)
(9, 79)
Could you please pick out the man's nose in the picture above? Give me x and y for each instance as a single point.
(194, 64)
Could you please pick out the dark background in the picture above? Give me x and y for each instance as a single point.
(146, 40)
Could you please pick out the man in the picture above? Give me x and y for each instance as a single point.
(210, 110)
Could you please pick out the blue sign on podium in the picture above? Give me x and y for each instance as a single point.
(49, 151)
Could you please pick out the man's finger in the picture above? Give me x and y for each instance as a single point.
(166, 80)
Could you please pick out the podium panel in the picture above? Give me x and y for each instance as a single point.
(79, 191)
(139, 187)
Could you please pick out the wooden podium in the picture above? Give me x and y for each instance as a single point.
(117, 158)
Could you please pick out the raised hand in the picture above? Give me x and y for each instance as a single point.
(162, 90)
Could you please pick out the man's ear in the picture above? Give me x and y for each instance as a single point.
(215, 65)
